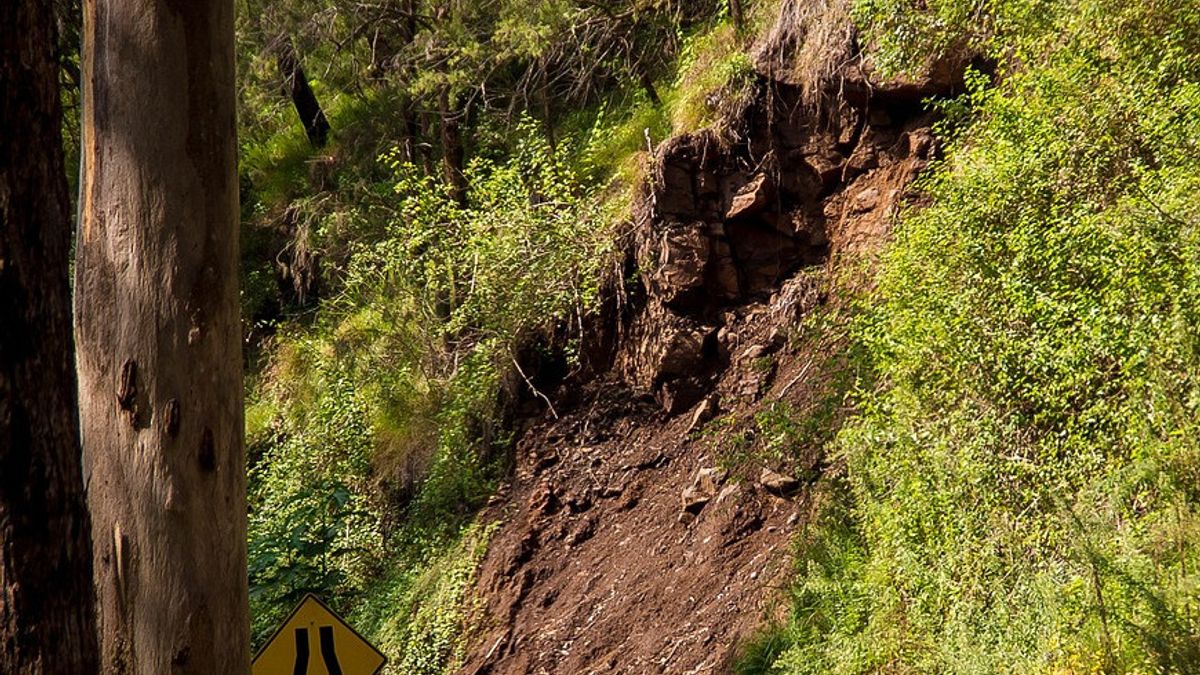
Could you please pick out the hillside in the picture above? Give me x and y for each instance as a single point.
(836, 337)
(646, 528)
(504, 337)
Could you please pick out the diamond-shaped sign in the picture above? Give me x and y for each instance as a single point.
(315, 641)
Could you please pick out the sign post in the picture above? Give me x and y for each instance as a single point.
(315, 641)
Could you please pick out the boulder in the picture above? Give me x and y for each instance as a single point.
(705, 484)
(692, 500)
(683, 254)
(709, 479)
(752, 197)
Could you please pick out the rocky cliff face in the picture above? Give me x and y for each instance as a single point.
(726, 223)
(626, 544)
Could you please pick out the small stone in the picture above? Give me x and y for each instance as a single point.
(777, 483)
(921, 144)
(543, 500)
(693, 500)
(579, 503)
(863, 158)
(708, 480)
(581, 533)
(778, 337)
(726, 339)
(727, 492)
(544, 462)
(754, 352)
(704, 412)
(866, 200)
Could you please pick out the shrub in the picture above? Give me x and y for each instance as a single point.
(380, 425)
(1020, 486)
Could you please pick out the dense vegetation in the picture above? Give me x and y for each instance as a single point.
(457, 217)
(1019, 490)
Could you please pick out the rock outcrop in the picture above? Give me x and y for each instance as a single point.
(731, 221)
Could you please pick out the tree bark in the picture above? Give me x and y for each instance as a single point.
(47, 608)
(158, 334)
(295, 84)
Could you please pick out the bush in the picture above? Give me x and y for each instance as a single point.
(1020, 486)
(377, 431)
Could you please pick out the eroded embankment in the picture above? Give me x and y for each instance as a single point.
(625, 544)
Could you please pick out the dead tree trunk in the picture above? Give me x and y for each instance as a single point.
(158, 332)
(295, 84)
(47, 611)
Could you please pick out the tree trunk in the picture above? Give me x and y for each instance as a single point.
(409, 113)
(547, 105)
(642, 71)
(735, 13)
(158, 332)
(429, 125)
(646, 81)
(47, 608)
(295, 84)
(452, 147)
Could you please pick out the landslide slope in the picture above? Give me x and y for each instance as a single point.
(646, 525)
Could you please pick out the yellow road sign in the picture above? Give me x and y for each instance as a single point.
(315, 641)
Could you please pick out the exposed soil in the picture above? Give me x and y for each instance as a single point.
(635, 538)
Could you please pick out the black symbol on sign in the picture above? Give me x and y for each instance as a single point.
(328, 654)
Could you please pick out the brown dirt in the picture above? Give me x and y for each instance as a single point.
(625, 547)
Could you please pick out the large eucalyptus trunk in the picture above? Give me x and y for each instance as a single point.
(158, 335)
(47, 612)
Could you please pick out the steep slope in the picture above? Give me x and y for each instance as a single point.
(641, 532)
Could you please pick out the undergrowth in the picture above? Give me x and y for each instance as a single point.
(1018, 492)
(377, 423)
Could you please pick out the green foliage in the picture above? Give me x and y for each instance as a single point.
(528, 246)
(377, 422)
(419, 611)
(399, 381)
(1021, 484)
(906, 35)
(311, 527)
(779, 430)
(714, 78)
